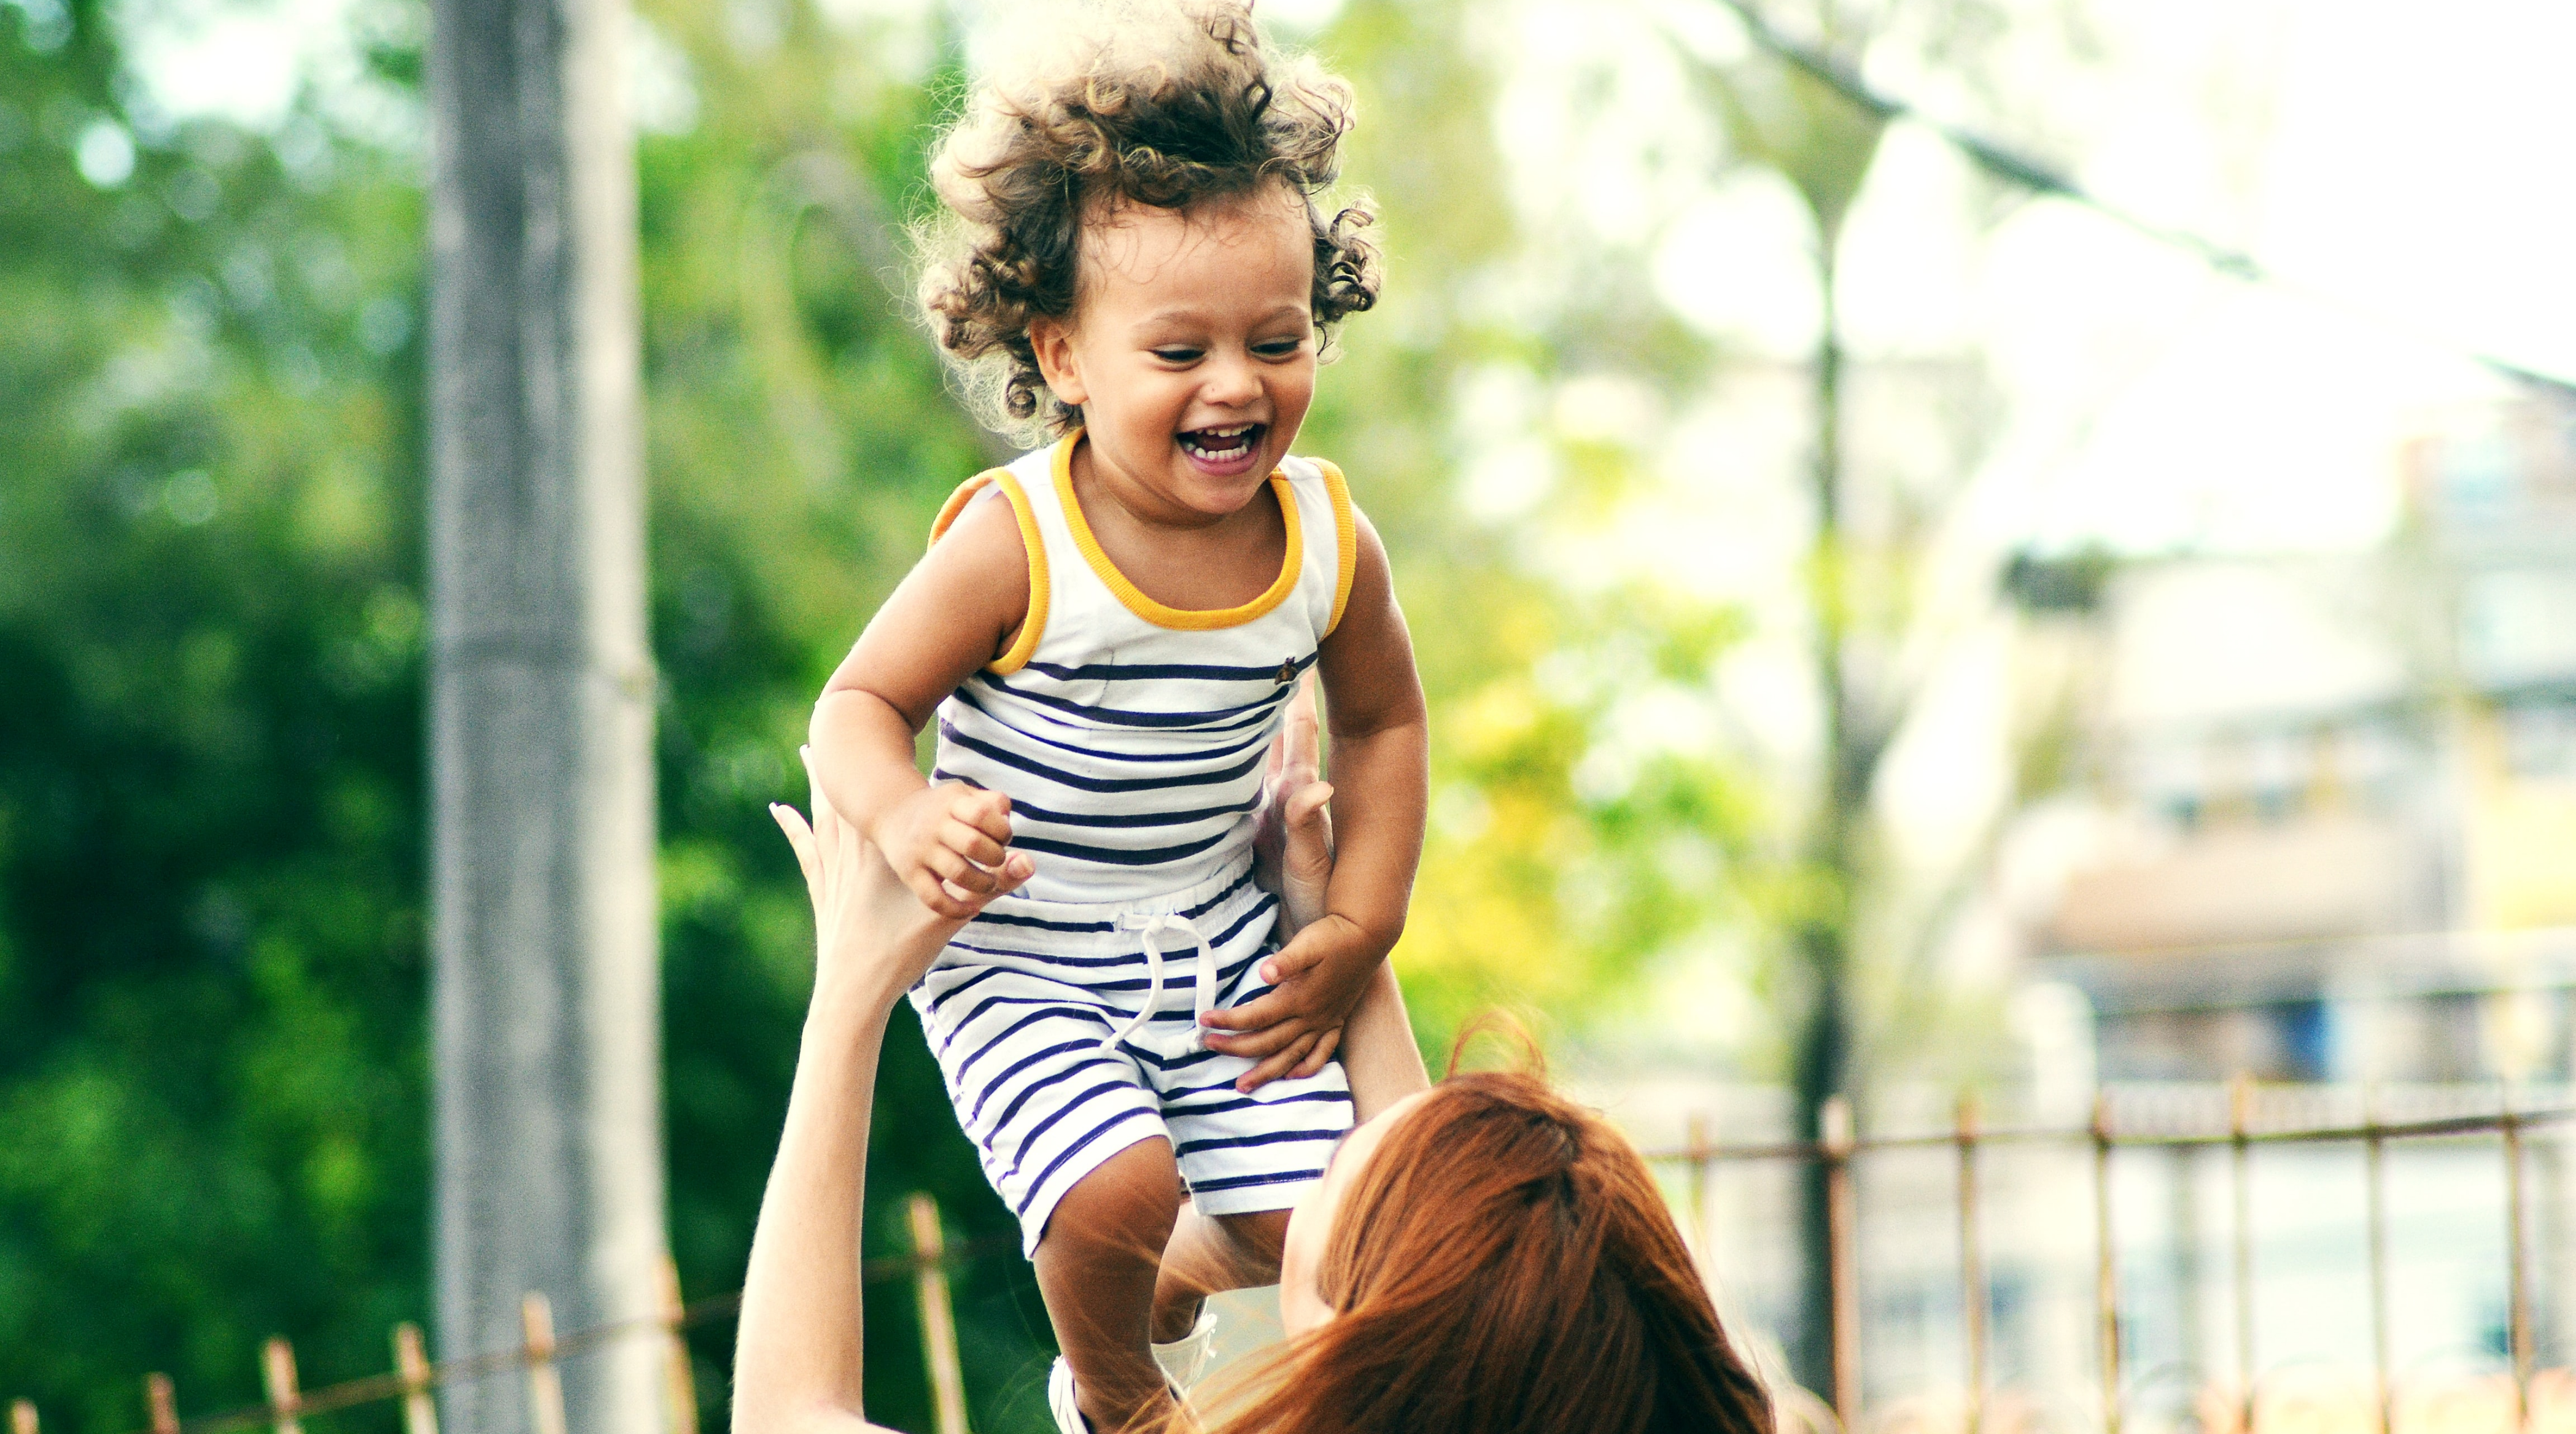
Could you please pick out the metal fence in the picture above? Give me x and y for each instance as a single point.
(2227, 1408)
(538, 1358)
(2233, 1407)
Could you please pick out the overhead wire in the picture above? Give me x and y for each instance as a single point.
(2043, 179)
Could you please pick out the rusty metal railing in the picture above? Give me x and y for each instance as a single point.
(1841, 1148)
(541, 1354)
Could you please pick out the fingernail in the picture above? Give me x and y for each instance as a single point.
(1270, 972)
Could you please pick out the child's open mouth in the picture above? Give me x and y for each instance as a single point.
(1223, 448)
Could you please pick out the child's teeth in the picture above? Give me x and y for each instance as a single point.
(1214, 441)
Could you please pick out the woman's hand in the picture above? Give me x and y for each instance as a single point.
(872, 936)
(1293, 846)
(796, 1359)
(1293, 860)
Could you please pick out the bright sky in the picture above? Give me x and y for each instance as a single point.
(2408, 161)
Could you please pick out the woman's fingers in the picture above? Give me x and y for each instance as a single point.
(934, 894)
(1301, 739)
(801, 837)
(828, 828)
(1306, 805)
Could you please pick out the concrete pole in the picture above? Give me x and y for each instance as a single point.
(546, 1002)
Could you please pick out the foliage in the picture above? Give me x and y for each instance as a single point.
(211, 1081)
(213, 1077)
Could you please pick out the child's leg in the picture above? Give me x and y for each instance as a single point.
(1096, 1266)
(1212, 1253)
(1234, 1252)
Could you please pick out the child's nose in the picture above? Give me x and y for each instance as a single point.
(1230, 382)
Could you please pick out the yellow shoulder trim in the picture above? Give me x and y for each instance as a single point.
(1180, 619)
(1346, 541)
(1033, 626)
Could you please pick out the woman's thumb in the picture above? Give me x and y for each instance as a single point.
(1307, 805)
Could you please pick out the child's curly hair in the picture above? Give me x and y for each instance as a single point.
(1168, 103)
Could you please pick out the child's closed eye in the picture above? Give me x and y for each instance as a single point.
(1178, 354)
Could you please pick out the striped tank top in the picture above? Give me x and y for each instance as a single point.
(1132, 737)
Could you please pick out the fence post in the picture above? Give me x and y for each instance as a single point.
(681, 1382)
(2518, 1285)
(22, 1417)
(277, 1375)
(1698, 1181)
(420, 1412)
(2106, 1271)
(1972, 1261)
(2240, 1123)
(938, 1321)
(1842, 1263)
(2374, 1152)
(161, 1403)
(545, 1382)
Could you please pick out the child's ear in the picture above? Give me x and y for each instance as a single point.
(1051, 340)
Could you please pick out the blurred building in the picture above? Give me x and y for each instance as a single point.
(2331, 800)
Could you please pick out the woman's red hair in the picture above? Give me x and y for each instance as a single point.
(1505, 1265)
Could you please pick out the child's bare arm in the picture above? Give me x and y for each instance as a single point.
(956, 611)
(1381, 754)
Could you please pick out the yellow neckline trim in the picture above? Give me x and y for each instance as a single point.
(1292, 563)
(1033, 626)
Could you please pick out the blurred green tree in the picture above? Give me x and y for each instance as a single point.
(210, 951)
(1858, 941)
(212, 1080)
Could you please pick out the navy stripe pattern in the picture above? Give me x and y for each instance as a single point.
(1133, 752)
(1133, 755)
(1015, 1013)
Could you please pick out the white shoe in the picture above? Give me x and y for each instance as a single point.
(1060, 1400)
(1185, 1359)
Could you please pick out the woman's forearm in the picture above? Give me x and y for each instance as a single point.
(797, 1367)
(1378, 1050)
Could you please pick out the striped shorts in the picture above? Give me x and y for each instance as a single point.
(1032, 1013)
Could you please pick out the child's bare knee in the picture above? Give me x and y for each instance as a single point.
(1258, 1233)
(1129, 1201)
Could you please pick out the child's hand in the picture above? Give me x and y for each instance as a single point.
(1293, 1028)
(948, 844)
(869, 933)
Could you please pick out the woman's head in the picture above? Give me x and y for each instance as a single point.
(1489, 1256)
(1107, 149)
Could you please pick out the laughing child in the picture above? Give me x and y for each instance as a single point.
(1109, 633)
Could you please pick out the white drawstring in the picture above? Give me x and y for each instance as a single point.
(1151, 927)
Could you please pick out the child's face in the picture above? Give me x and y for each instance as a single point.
(1191, 352)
